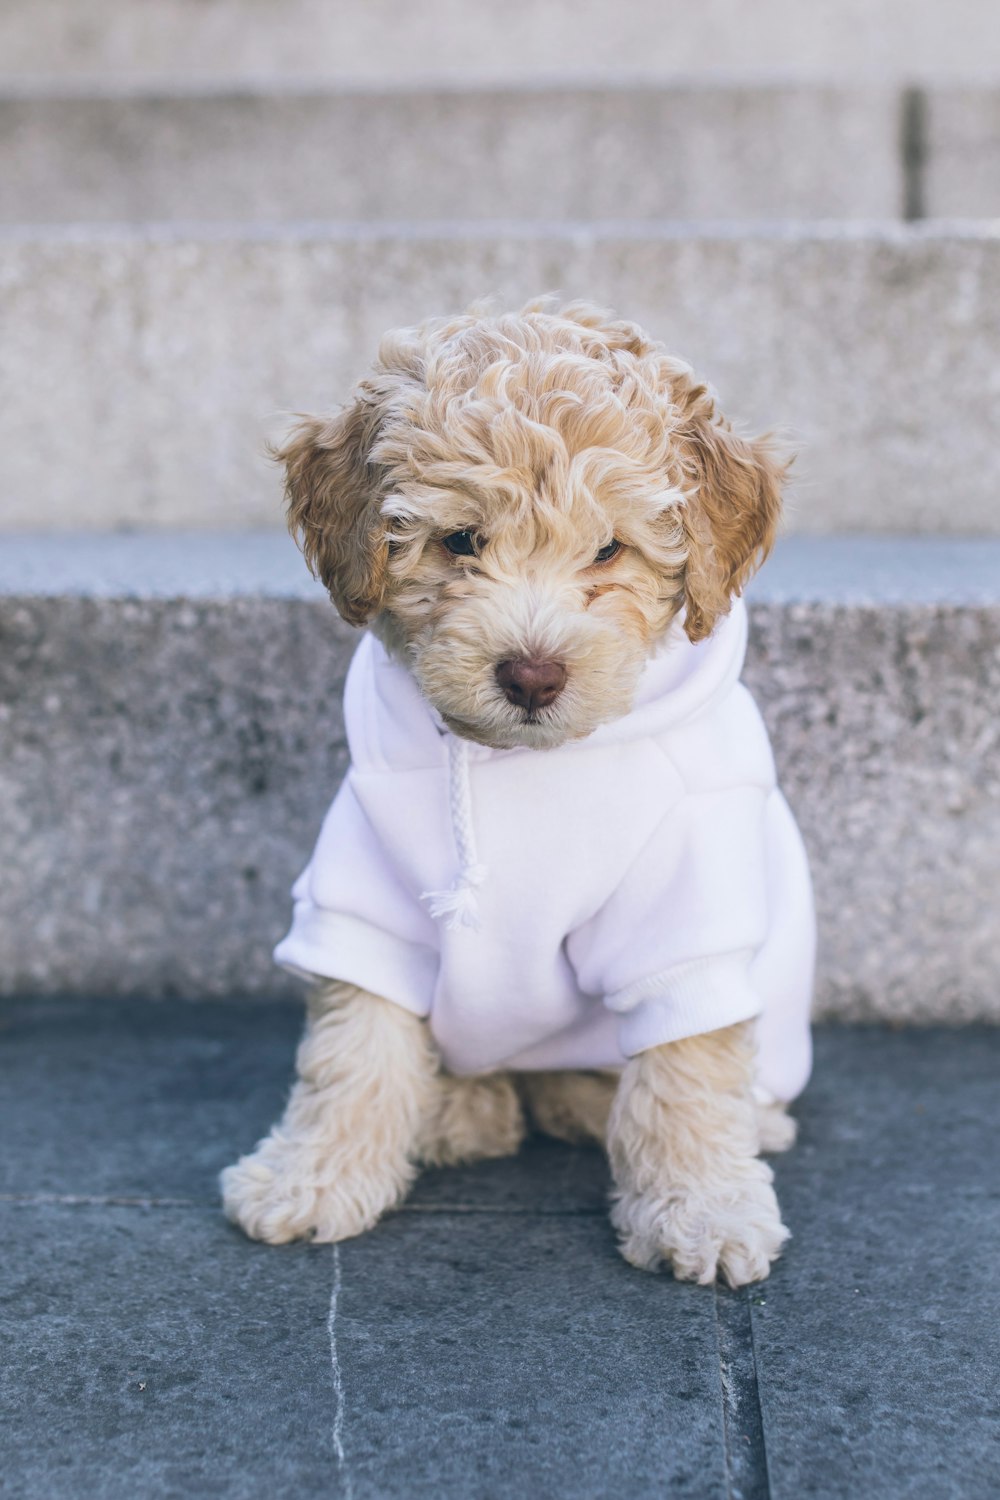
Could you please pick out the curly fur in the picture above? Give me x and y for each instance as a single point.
(546, 434)
(683, 1139)
(471, 1119)
(570, 1106)
(344, 1150)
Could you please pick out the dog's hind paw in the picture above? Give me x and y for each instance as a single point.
(776, 1130)
(732, 1230)
(473, 1119)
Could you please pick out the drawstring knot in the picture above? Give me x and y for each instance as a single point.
(459, 906)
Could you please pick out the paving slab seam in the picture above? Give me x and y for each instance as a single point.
(742, 1420)
(100, 1200)
(526, 1211)
(113, 1200)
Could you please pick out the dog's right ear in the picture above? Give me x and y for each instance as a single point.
(333, 493)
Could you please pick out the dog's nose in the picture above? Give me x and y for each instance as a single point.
(531, 684)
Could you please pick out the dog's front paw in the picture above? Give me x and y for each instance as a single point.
(730, 1228)
(287, 1190)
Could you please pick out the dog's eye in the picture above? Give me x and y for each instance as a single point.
(608, 552)
(461, 544)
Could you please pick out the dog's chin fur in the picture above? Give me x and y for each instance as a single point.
(539, 731)
(546, 434)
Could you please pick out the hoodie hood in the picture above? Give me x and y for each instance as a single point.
(391, 726)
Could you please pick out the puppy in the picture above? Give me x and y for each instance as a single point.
(559, 883)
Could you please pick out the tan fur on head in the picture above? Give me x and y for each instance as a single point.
(546, 434)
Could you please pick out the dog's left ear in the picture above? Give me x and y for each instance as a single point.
(732, 511)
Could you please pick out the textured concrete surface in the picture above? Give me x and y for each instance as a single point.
(390, 39)
(487, 1339)
(888, 745)
(155, 1356)
(876, 1354)
(141, 372)
(166, 759)
(629, 152)
(962, 173)
(164, 769)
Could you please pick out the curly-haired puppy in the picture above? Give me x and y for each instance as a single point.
(559, 883)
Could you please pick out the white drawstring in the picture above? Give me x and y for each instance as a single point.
(459, 906)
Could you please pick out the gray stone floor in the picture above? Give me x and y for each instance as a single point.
(486, 1341)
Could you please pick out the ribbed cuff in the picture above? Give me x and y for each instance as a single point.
(702, 995)
(330, 945)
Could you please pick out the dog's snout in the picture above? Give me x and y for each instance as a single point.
(531, 684)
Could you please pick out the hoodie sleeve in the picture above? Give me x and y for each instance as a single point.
(671, 950)
(354, 921)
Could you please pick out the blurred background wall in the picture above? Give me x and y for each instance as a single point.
(211, 209)
(214, 208)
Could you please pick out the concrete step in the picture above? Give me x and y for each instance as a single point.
(141, 371)
(170, 736)
(961, 132)
(684, 152)
(474, 40)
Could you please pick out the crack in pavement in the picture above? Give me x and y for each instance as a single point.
(742, 1419)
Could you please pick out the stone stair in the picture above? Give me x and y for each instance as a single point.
(173, 352)
(394, 41)
(535, 151)
(175, 734)
(211, 209)
(576, 149)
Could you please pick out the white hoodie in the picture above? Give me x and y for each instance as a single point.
(568, 908)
